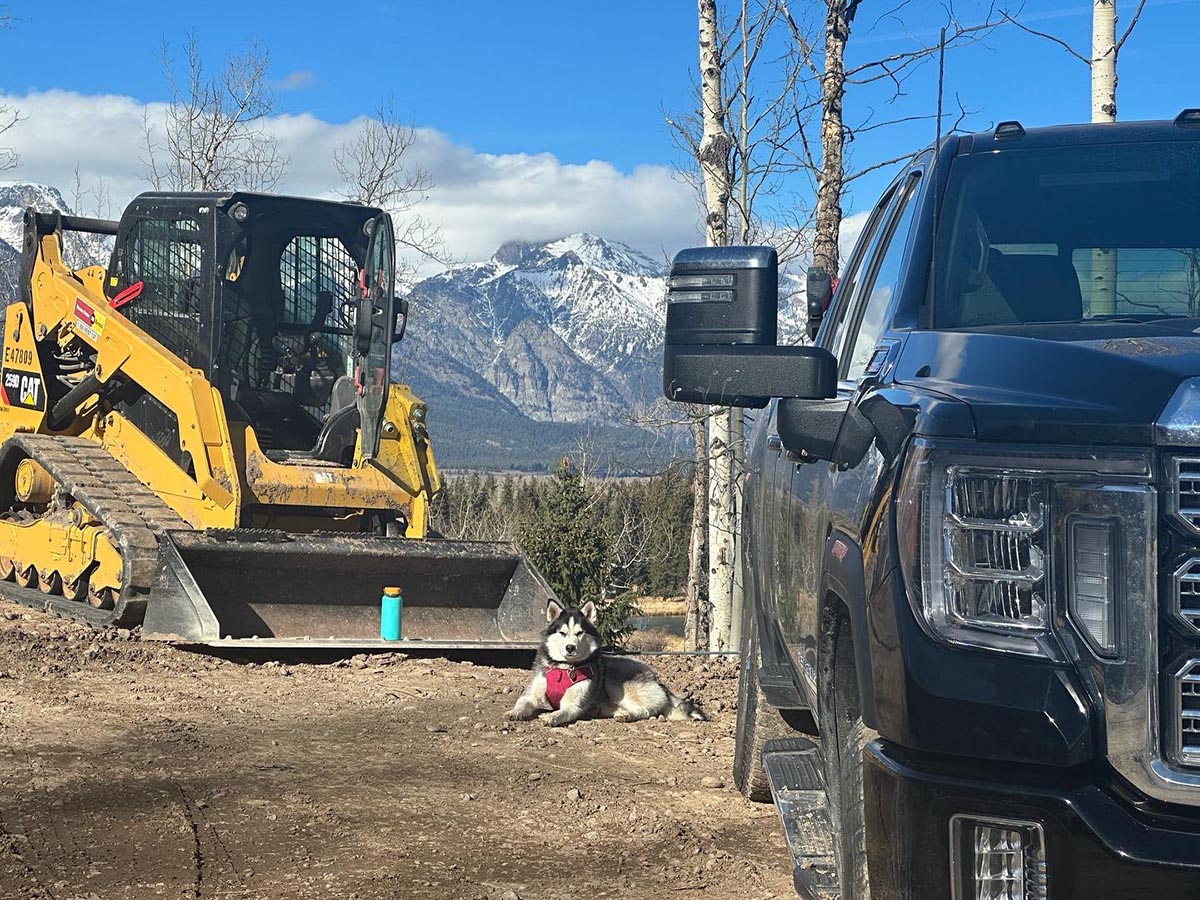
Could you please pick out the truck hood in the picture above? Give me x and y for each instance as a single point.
(1073, 383)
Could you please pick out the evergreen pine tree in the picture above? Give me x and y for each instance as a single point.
(567, 541)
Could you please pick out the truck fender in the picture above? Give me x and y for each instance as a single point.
(844, 578)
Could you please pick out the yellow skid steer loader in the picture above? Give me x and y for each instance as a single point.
(204, 438)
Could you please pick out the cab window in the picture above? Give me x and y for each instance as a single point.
(1071, 234)
(883, 285)
(835, 328)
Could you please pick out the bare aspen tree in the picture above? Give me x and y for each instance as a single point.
(828, 66)
(214, 137)
(696, 617)
(1104, 60)
(1104, 109)
(713, 157)
(715, 141)
(736, 146)
(830, 186)
(375, 169)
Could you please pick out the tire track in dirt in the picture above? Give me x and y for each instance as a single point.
(197, 854)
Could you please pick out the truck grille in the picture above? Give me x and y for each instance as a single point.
(1181, 708)
(1187, 593)
(1187, 684)
(1185, 493)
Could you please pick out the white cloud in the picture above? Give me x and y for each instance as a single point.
(480, 199)
(295, 81)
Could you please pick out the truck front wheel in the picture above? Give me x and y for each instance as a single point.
(843, 738)
(757, 722)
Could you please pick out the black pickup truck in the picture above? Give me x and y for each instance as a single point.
(971, 641)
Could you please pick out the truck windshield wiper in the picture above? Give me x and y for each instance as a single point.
(1136, 319)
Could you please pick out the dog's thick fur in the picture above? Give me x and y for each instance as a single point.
(620, 688)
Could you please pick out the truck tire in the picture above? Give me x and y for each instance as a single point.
(757, 722)
(843, 738)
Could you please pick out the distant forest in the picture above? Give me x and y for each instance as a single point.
(592, 538)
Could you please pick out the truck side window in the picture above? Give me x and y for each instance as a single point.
(863, 252)
(884, 284)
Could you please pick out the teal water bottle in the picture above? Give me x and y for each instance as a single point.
(391, 610)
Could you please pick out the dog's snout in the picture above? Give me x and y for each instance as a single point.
(570, 648)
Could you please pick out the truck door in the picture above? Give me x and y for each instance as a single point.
(376, 320)
(818, 497)
(759, 510)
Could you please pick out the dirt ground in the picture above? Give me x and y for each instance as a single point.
(134, 770)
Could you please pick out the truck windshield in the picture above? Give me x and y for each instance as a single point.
(1070, 234)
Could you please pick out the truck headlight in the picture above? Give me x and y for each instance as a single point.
(999, 543)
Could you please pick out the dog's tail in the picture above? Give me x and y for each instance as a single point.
(682, 708)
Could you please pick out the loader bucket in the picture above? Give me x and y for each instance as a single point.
(270, 589)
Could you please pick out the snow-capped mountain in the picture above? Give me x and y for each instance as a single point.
(564, 331)
(15, 197)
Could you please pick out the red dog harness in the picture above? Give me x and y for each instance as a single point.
(559, 681)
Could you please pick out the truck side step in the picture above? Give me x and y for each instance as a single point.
(793, 766)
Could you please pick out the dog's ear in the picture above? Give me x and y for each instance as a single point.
(553, 610)
(589, 611)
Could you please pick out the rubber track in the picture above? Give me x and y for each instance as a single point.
(131, 513)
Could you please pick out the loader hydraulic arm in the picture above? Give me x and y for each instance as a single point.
(72, 307)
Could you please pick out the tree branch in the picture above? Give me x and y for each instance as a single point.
(1049, 37)
(1137, 14)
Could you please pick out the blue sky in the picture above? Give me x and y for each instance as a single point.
(579, 81)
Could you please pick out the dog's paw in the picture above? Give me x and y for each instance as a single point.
(559, 719)
(522, 712)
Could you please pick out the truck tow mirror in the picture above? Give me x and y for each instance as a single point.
(832, 430)
(720, 348)
(818, 291)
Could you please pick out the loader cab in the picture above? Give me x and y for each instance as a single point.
(285, 304)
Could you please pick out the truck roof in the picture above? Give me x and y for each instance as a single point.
(1012, 136)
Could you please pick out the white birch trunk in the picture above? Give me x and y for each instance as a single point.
(715, 143)
(695, 633)
(738, 454)
(721, 527)
(1104, 109)
(1104, 60)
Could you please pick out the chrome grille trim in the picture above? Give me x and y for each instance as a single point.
(1184, 493)
(1187, 714)
(1185, 594)
(1137, 704)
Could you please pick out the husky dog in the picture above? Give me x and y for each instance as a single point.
(574, 680)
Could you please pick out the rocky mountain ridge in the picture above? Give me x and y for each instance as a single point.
(566, 331)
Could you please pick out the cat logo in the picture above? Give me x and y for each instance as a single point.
(19, 388)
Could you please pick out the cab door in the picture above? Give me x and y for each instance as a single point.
(819, 498)
(374, 325)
